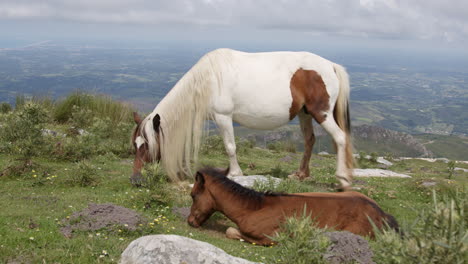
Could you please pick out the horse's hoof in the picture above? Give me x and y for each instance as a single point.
(233, 233)
(298, 176)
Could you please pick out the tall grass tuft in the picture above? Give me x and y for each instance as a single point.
(300, 241)
(101, 106)
(438, 235)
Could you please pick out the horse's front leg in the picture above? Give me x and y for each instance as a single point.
(224, 123)
(234, 233)
(307, 129)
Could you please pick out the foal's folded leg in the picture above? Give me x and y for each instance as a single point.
(234, 233)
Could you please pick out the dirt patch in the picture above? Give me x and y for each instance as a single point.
(99, 216)
(347, 247)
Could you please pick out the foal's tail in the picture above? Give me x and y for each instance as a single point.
(341, 111)
(393, 224)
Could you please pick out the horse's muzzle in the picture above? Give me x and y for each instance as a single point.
(192, 222)
(136, 179)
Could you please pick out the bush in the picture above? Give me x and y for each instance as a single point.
(22, 130)
(288, 146)
(154, 176)
(438, 235)
(84, 174)
(5, 108)
(300, 241)
(212, 144)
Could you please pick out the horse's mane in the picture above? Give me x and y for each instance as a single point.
(183, 112)
(251, 197)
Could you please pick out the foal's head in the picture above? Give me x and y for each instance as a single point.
(203, 205)
(140, 141)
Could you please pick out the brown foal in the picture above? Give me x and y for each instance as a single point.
(259, 215)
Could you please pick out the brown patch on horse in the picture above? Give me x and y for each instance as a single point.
(308, 91)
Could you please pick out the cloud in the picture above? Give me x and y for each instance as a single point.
(416, 19)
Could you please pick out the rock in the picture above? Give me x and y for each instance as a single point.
(249, 181)
(323, 153)
(287, 159)
(377, 173)
(173, 249)
(383, 161)
(347, 247)
(428, 184)
(461, 169)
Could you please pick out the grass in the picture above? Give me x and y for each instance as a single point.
(37, 193)
(47, 201)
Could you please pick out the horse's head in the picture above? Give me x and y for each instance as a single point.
(141, 141)
(203, 205)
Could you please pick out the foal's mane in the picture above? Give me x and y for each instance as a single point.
(252, 198)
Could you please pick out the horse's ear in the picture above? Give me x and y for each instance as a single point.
(200, 178)
(156, 123)
(136, 118)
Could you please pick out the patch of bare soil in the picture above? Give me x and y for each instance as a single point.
(99, 216)
(347, 247)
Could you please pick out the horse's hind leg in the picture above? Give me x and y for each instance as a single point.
(224, 123)
(340, 138)
(307, 129)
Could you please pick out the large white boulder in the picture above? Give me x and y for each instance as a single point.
(249, 181)
(173, 249)
(377, 173)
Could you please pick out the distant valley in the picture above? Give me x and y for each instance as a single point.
(418, 101)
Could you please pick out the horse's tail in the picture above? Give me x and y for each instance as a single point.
(341, 111)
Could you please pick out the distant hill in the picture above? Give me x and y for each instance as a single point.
(408, 96)
(368, 139)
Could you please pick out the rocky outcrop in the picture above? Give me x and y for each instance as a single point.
(170, 249)
(382, 135)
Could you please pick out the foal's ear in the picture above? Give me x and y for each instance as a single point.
(156, 123)
(136, 118)
(199, 177)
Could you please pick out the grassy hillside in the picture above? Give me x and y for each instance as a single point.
(45, 178)
(451, 147)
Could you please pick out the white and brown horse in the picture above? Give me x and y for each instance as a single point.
(256, 90)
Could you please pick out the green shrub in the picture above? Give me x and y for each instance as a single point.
(212, 144)
(84, 174)
(288, 146)
(22, 130)
(438, 235)
(300, 241)
(154, 176)
(80, 117)
(5, 108)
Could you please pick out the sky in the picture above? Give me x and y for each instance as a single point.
(432, 24)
